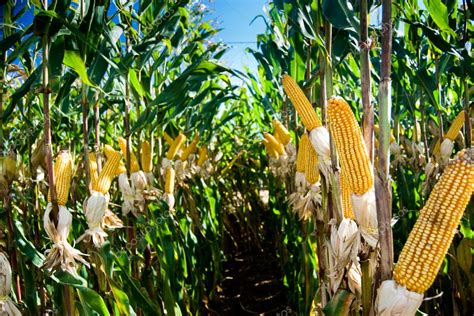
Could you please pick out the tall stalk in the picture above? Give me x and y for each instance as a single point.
(368, 135)
(97, 133)
(467, 110)
(85, 133)
(47, 124)
(368, 117)
(382, 188)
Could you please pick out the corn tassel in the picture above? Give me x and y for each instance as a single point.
(428, 242)
(353, 156)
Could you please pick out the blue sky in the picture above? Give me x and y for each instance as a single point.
(234, 17)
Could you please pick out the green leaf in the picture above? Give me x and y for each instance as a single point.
(439, 14)
(464, 255)
(340, 304)
(92, 302)
(132, 76)
(73, 60)
(26, 247)
(341, 14)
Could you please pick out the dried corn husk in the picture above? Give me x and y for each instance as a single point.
(7, 307)
(319, 138)
(62, 255)
(344, 247)
(94, 209)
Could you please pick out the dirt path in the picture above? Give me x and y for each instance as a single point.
(252, 282)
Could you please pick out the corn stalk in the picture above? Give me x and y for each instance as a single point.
(368, 117)
(382, 188)
(368, 135)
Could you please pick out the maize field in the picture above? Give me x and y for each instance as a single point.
(140, 174)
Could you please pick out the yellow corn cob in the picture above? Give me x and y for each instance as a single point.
(121, 169)
(168, 139)
(202, 155)
(175, 147)
(275, 144)
(109, 153)
(452, 133)
(434, 230)
(311, 165)
(169, 181)
(350, 146)
(146, 157)
(302, 153)
(270, 150)
(62, 177)
(191, 148)
(302, 105)
(283, 134)
(108, 172)
(346, 197)
(134, 166)
(94, 176)
(277, 137)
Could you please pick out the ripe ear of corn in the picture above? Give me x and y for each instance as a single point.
(108, 172)
(346, 197)
(452, 132)
(168, 139)
(350, 145)
(94, 176)
(305, 145)
(191, 148)
(62, 177)
(275, 144)
(301, 103)
(203, 154)
(434, 230)
(176, 146)
(169, 180)
(270, 150)
(146, 156)
(134, 166)
(283, 134)
(311, 165)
